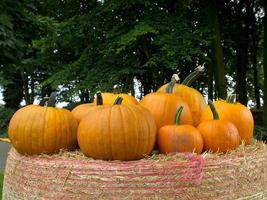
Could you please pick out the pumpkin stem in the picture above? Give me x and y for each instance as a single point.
(213, 110)
(49, 101)
(116, 89)
(193, 76)
(52, 100)
(175, 79)
(99, 99)
(178, 113)
(43, 101)
(231, 98)
(118, 101)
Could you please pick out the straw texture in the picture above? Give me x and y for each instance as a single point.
(239, 174)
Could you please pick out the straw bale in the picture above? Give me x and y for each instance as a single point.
(238, 174)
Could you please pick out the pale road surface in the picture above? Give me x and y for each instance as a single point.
(4, 148)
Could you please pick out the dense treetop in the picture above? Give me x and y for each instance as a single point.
(78, 47)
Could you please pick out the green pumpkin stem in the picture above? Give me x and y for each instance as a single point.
(213, 110)
(118, 101)
(178, 113)
(99, 99)
(193, 76)
(231, 98)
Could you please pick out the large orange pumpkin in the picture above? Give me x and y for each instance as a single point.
(81, 110)
(117, 132)
(218, 134)
(179, 138)
(163, 107)
(36, 129)
(191, 96)
(236, 113)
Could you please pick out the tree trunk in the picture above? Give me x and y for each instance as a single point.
(254, 52)
(84, 96)
(265, 66)
(218, 67)
(32, 95)
(210, 81)
(12, 94)
(242, 50)
(25, 86)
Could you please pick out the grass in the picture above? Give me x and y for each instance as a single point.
(1, 184)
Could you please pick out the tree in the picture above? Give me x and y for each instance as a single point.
(217, 52)
(265, 65)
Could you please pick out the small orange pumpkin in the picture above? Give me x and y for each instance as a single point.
(179, 138)
(36, 129)
(110, 98)
(191, 96)
(117, 132)
(218, 135)
(81, 110)
(236, 113)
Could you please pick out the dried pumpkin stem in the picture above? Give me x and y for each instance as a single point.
(52, 100)
(99, 99)
(193, 76)
(49, 101)
(116, 89)
(213, 110)
(118, 101)
(178, 113)
(170, 86)
(231, 98)
(43, 101)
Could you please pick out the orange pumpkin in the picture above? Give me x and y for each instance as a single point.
(179, 138)
(236, 113)
(163, 106)
(218, 134)
(81, 110)
(110, 98)
(117, 132)
(36, 129)
(191, 96)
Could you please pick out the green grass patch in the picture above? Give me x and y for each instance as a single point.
(1, 184)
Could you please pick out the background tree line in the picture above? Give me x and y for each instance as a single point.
(80, 46)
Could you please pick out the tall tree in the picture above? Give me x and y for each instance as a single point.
(242, 44)
(265, 65)
(217, 52)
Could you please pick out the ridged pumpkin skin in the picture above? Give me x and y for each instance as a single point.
(192, 97)
(179, 138)
(109, 98)
(163, 107)
(35, 129)
(118, 132)
(219, 135)
(81, 110)
(236, 113)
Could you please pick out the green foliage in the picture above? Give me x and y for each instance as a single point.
(79, 47)
(6, 114)
(260, 133)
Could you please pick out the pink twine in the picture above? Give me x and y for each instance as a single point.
(194, 170)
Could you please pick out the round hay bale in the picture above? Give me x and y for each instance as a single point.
(239, 174)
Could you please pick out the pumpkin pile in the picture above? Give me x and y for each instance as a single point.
(115, 126)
